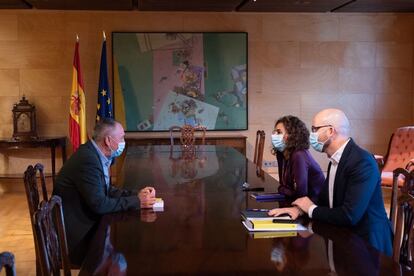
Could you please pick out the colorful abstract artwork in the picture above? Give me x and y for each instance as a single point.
(167, 79)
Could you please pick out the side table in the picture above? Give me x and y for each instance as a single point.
(47, 142)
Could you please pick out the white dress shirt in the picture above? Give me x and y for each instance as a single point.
(335, 158)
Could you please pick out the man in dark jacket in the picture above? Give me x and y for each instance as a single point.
(84, 185)
(351, 195)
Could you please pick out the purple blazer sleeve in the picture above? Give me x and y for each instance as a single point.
(300, 167)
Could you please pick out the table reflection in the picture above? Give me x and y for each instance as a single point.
(200, 231)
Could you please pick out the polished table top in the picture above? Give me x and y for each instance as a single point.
(200, 230)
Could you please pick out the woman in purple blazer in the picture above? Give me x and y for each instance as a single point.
(299, 174)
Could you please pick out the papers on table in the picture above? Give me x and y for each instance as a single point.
(158, 205)
(258, 220)
(267, 225)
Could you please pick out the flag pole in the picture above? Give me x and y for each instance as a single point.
(77, 38)
(104, 35)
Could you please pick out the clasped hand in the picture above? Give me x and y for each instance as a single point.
(147, 197)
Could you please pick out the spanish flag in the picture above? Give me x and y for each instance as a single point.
(77, 118)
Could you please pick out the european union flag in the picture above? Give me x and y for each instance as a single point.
(104, 107)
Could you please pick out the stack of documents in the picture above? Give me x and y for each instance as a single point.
(258, 220)
(273, 234)
(158, 205)
(268, 196)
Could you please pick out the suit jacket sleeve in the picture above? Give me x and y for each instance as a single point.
(90, 184)
(360, 180)
(118, 192)
(323, 199)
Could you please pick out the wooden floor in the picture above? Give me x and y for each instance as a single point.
(16, 232)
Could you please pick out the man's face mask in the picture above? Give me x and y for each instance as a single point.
(314, 139)
(118, 151)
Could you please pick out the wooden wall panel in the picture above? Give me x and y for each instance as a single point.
(376, 27)
(8, 29)
(298, 64)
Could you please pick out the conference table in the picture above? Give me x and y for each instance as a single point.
(199, 231)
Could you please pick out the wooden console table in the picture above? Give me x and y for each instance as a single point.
(47, 142)
(236, 141)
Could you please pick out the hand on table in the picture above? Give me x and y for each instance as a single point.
(147, 197)
(293, 212)
(148, 190)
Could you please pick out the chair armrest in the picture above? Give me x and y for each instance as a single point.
(410, 165)
(380, 161)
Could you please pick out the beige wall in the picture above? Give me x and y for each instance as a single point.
(298, 64)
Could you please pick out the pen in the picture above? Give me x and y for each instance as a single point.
(258, 210)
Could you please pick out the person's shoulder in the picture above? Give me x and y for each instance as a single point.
(301, 155)
(358, 150)
(359, 154)
(85, 150)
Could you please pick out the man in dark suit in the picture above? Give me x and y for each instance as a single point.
(84, 185)
(351, 195)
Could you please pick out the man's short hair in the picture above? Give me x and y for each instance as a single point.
(103, 128)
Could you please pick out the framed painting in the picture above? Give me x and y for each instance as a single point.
(171, 79)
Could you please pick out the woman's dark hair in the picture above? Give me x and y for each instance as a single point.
(298, 134)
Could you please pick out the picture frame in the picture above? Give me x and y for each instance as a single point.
(164, 79)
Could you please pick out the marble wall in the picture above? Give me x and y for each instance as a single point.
(298, 64)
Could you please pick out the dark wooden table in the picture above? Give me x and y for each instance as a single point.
(200, 230)
(47, 142)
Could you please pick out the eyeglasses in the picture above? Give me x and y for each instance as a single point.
(316, 128)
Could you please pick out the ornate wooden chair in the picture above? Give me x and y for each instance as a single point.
(33, 197)
(406, 188)
(258, 148)
(32, 189)
(51, 237)
(400, 152)
(188, 134)
(7, 261)
(403, 247)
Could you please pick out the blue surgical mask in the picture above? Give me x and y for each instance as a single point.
(119, 150)
(314, 142)
(278, 143)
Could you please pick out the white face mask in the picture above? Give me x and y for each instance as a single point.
(119, 150)
(315, 143)
(278, 143)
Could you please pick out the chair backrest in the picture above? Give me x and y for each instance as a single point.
(51, 237)
(407, 188)
(403, 247)
(401, 149)
(174, 129)
(34, 197)
(187, 134)
(7, 261)
(32, 189)
(200, 132)
(410, 165)
(258, 148)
